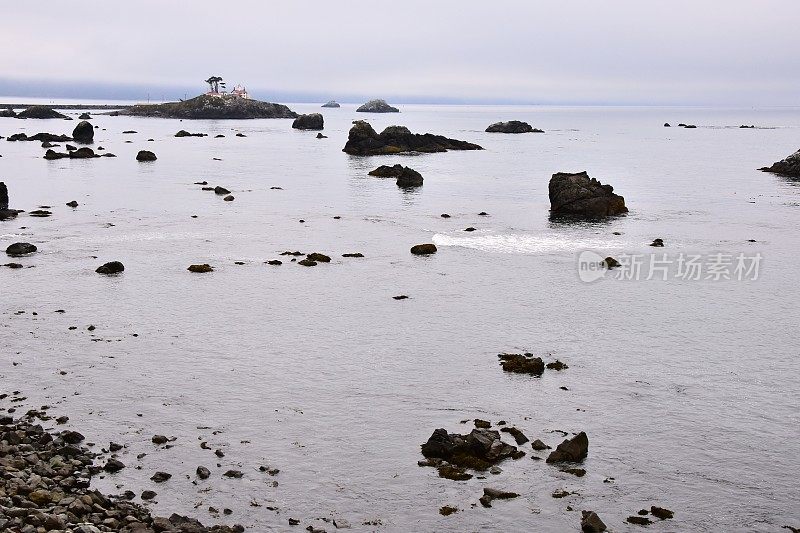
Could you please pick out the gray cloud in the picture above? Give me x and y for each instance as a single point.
(579, 51)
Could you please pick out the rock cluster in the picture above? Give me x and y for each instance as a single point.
(312, 121)
(786, 167)
(478, 450)
(405, 176)
(45, 487)
(582, 196)
(364, 140)
(377, 106)
(512, 126)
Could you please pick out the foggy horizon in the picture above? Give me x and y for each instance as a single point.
(622, 53)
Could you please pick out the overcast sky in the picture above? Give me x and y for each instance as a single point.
(731, 52)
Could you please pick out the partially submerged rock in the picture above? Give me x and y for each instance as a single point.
(312, 121)
(479, 449)
(490, 494)
(200, 269)
(363, 140)
(83, 132)
(377, 106)
(113, 267)
(661, 512)
(572, 450)
(512, 126)
(405, 176)
(331, 103)
(212, 107)
(423, 249)
(521, 363)
(19, 249)
(582, 196)
(40, 111)
(786, 167)
(591, 523)
(184, 133)
(146, 155)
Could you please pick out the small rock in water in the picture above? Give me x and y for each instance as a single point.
(490, 494)
(522, 363)
(556, 365)
(320, 258)
(73, 203)
(148, 495)
(20, 248)
(159, 439)
(639, 520)
(229, 198)
(160, 477)
(423, 249)
(482, 424)
(518, 435)
(274, 262)
(221, 191)
(236, 474)
(113, 267)
(113, 465)
(444, 215)
(146, 155)
(658, 243)
(203, 472)
(447, 510)
(571, 450)
(591, 523)
(307, 263)
(357, 254)
(470, 229)
(400, 297)
(661, 512)
(205, 267)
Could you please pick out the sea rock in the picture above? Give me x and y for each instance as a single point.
(146, 155)
(657, 243)
(406, 176)
(83, 132)
(184, 133)
(229, 198)
(661, 512)
(490, 494)
(85, 116)
(312, 121)
(518, 435)
(363, 140)
(40, 111)
(512, 126)
(221, 191)
(3, 195)
(203, 472)
(539, 445)
(8, 113)
(331, 103)
(19, 249)
(639, 520)
(160, 477)
(582, 196)
(52, 154)
(321, 136)
(667, 125)
(521, 363)
(212, 107)
(572, 450)
(83, 153)
(318, 257)
(113, 267)
(113, 465)
(423, 249)
(786, 167)
(377, 106)
(591, 523)
(72, 204)
(200, 269)
(479, 450)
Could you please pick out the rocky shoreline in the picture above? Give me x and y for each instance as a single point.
(45, 486)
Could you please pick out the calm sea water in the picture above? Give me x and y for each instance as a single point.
(686, 388)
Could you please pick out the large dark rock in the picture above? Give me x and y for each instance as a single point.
(572, 450)
(312, 121)
(363, 140)
(3, 195)
(582, 196)
(512, 126)
(331, 103)
(212, 107)
(591, 523)
(146, 155)
(114, 267)
(82, 153)
(405, 176)
(20, 248)
(83, 132)
(40, 111)
(479, 449)
(786, 167)
(377, 106)
(8, 113)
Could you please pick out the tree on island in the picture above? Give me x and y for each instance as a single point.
(214, 83)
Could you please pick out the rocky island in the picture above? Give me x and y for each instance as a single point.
(211, 107)
(512, 126)
(364, 140)
(786, 167)
(582, 196)
(377, 106)
(331, 103)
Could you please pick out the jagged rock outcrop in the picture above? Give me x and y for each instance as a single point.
(331, 103)
(582, 196)
(40, 111)
(212, 107)
(786, 167)
(312, 121)
(363, 140)
(571, 450)
(512, 126)
(377, 106)
(83, 133)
